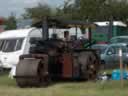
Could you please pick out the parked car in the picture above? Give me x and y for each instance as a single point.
(110, 56)
(119, 39)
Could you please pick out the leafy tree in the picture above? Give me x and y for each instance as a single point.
(87, 10)
(65, 11)
(96, 10)
(37, 12)
(10, 22)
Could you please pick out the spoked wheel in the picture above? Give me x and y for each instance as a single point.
(89, 65)
(92, 66)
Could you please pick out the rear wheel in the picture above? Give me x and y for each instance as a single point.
(89, 65)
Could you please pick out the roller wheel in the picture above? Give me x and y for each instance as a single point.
(89, 65)
(30, 73)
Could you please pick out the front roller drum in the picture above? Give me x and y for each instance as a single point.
(31, 73)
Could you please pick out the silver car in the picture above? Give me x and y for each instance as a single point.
(110, 57)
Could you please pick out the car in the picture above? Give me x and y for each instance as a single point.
(119, 39)
(110, 56)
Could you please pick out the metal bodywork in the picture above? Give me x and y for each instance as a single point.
(38, 71)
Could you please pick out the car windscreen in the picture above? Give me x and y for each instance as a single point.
(115, 49)
(11, 45)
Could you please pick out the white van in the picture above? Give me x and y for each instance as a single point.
(14, 43)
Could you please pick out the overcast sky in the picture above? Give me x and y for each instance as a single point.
(17, 6)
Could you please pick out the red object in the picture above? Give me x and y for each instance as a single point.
(101, 42)
(1, 21)
(67, 65)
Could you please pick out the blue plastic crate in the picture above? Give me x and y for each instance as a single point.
(117, 73)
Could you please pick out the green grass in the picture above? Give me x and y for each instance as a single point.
(107, 71)
(111, 88)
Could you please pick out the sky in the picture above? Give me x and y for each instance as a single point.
(17, 6)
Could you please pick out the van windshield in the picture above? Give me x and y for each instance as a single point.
(11, 45)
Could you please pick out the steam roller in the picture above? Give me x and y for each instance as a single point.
(36, 72)
(56, 59)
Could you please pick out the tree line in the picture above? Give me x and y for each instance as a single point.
(93, 10)
(86, 10)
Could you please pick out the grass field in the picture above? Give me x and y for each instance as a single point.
(111, 88)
